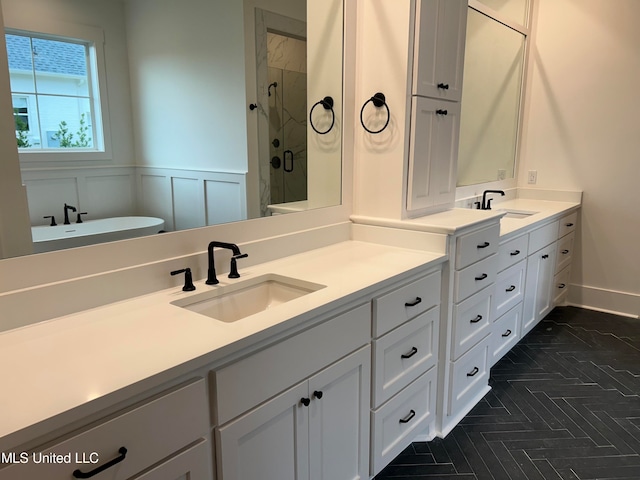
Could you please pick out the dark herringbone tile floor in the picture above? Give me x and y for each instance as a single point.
(564, 405)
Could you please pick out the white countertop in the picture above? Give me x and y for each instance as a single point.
(53, 368)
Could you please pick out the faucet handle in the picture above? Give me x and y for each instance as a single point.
(188, 279)
(53, 220)
(79, 218)
(233, 271)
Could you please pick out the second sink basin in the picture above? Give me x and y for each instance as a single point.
(517, 213)
(229, 303)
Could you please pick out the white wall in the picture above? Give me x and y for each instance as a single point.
(581, 133)
(190, 54)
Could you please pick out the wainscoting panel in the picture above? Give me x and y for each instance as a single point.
(154, 197)
(188, 203)
(226, 201)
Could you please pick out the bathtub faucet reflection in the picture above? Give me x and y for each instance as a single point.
(66, 213)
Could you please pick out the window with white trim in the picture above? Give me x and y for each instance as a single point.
(55, 95)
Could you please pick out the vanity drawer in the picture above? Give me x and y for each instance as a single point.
(474, 278)
(404, 354)
(542, 237)
(246, 383)
(475, 246)
(404, 303)
(469, 376)
(561, 286)
(567, 224)
(509, 289)
(149, 433)
(397, 422)
(471, 322)
(504, 333)
(511, 252)
(565, 251)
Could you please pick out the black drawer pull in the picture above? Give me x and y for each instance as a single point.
(562, 285)
(510, 289)
(514, 253)
(414, 303)
(443, 86)
(305, 401)
(482, 277)
(318, 394)
(484, 245)
(441, 112)
(476, 320)
(408, 418)
(564, 252)
(80, 474)
(507, 333)
(413, 351)
(473, 372)
(569, 225)
(545, 257)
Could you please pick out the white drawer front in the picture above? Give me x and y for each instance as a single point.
(561, 286)
(404, 354)
(504, 333)
(471, 322)
(542, 237)
(149, 433)
(397, 422)
(565, 251)
(474, 278)
(475, 246)
(398, 306)
(252, 380)
(512, 252)
(469, 376)
(509, 289)
(567, 224)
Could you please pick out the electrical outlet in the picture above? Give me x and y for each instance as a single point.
(502, 174)
(532, 177)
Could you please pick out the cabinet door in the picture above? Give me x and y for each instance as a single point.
(269, 442)
(192, 464)
(433, 153)
(538, 299)
(339, 419)
(441, 27)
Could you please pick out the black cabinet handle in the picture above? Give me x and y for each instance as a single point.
(484, 245)
(514, 253)
(414, 303)
(408, 418)
(473, 372)
(305, 401)
(411, 353)
(443, 86)
(507, 333)
(482, 277)
(318, 394)
(562, 285)
(441, 112)
(564, 252)
(476, 320)
(569, 225)
(545, 257)
(80, 474)
(510, 289)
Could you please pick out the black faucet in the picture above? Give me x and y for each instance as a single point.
(211, 272)
(66, 213)
(486, 204)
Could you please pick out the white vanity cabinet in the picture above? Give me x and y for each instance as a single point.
(166, 437)
(566, 238)
(440, 32)
(299, 408)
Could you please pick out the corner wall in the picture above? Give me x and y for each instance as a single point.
(581, 133)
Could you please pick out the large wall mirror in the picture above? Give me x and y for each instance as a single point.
(492, 90)
(193, 112)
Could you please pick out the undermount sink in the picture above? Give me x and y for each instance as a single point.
(516, 213)
(230, 303)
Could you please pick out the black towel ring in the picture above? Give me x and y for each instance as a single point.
(378, 101)
(327, 103)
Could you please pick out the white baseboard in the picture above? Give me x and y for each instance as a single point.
(610, 301)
